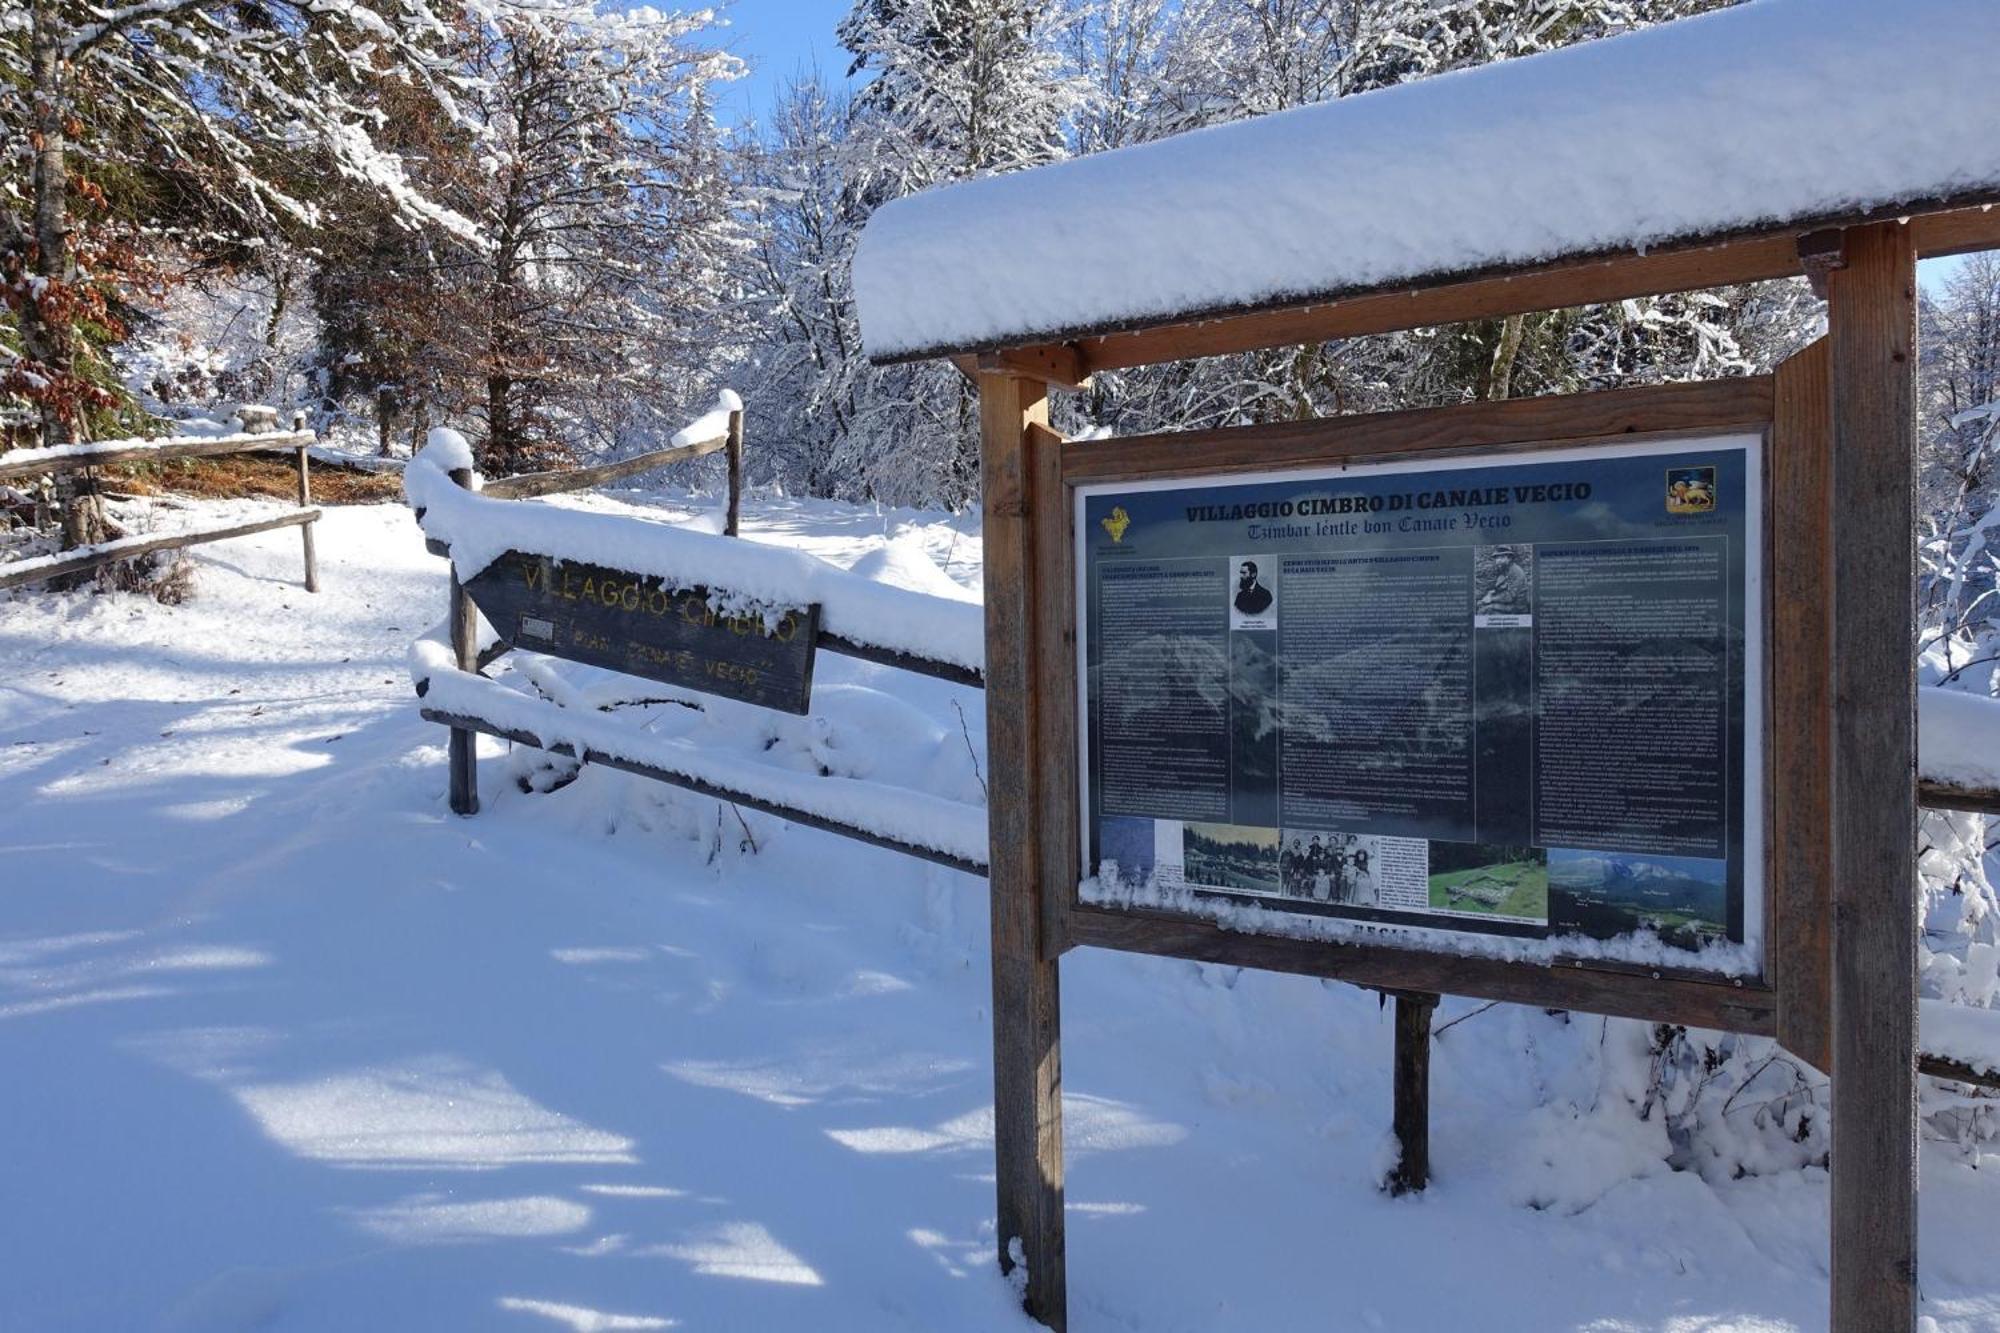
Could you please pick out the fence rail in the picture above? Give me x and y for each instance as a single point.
(528, 485)
(110, 453)
(76, 458)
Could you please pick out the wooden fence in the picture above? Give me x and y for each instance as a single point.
(81, 458)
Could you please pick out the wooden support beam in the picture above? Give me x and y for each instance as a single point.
(1059, 364)
(1799, 736)
(1412, 1092)
(1374, 437)
(1054, 683)
(1871, 315)
(1027, 1042)
(1457, 299)
(1708, 1002)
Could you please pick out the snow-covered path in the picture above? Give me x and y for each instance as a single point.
(287, 1046)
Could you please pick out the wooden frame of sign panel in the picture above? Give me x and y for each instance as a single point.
(1647, 416)
(1839, 987)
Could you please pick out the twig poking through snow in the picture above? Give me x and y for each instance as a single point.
(966, 731)
(1462, 1017)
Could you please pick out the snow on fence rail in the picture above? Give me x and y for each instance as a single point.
(20, 463)
(859, 617)
(852, 615)
(720, 429)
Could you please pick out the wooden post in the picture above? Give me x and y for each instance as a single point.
(1413, 1091)
(465, 645)
(1799, 763)
(306, 529)
(735, 473)
(1027, 1043)
(1871, 315)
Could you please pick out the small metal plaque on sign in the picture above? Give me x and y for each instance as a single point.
(636, 624)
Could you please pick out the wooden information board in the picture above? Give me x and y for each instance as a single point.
(637, 624)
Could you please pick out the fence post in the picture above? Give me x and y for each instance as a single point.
(465, 645)
(735, 473)
(1413, 1091)
(306, 529)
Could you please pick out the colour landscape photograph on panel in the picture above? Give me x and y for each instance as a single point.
(1510, 882)
(1005, 666)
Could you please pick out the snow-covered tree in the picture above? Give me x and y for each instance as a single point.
(203, 116)
(574, 288)
(1959, 477)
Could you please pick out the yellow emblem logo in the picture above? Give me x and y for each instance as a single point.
(1691, 490)
(1116, 522)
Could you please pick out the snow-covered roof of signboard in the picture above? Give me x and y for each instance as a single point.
(1771, 114)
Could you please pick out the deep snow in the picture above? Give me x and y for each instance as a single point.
(288, 1046)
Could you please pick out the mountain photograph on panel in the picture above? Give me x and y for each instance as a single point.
(1682, 899)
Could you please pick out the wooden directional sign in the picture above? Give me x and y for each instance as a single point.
(637, 624)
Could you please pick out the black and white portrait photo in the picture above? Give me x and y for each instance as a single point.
(1503, 581)
(1252, 603)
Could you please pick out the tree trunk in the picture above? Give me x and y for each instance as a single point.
(1500, 375)
(385, 416)
(51, 341)
(502, 448)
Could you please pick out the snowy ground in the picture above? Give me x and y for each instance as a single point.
(287, 1046)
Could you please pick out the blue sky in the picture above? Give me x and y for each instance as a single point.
(778, 39)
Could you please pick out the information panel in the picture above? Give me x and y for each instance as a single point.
(1504, 696)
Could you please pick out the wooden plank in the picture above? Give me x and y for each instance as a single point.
(748, 800)
(902, 661)
(1958, 232)
(284, 442)
(1055, 688)
(1027, 1048)
(1731, 1006)
(529, 484)
(306, 529)
(1458, 298)
(1871, 312)
(112, 552)
(1798, 857)
(1412, 1092)
(1939, 1066)
(1948, 796)
(1634, 414)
